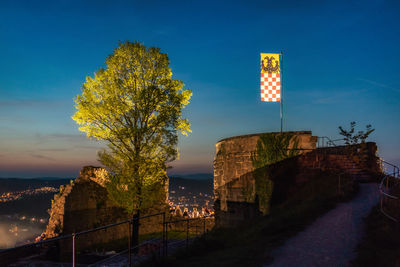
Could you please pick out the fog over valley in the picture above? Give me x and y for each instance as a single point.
(18, 230)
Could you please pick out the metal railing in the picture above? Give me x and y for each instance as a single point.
(200, 228)
(388, 182)
(69, 243)
(391, 177)
(325, 141)
(385, 166)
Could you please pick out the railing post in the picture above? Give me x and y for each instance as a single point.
(73, 249)
(166, 238)
(387, 184)
(163, 232)
(129, 244)
(187, 234)
(135, 232)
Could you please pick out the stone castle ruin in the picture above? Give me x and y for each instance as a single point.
(84, 204)
(234, 173)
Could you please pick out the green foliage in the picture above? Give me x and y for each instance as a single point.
(136, 107)
(263, 190)
(271, 148)
(380, 244)
(352, 138)
(178, 212)
(137, 194)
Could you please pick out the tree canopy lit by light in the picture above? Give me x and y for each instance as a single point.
(136, 106)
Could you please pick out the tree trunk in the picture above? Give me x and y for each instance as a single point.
(136, 216)
(135, 232)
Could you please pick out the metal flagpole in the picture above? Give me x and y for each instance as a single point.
(281, 92)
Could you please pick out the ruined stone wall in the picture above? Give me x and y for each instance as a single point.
(84, 204)
(233, 160)
(355, 160)
(234, 173)
(86, 192)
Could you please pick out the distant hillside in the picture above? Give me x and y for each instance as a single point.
(42, 202)
(196, 176)
(191, 185)
(19, 184)
(24, 206)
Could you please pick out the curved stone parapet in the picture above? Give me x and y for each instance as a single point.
(233, 160)
(235, 192)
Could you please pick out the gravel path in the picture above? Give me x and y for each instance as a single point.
(332, 238)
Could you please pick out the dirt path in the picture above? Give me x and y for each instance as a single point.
(332, 238)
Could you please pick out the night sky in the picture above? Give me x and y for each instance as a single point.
(341, 64)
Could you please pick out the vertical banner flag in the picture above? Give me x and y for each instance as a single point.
(270, 78)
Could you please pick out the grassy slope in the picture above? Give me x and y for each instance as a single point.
(252, 243)
(380, 245)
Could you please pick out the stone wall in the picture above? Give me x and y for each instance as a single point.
(234, 172)
(358, 161)
(84, 204)
(233, 160)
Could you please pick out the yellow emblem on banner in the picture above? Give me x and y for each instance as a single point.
(270, 63)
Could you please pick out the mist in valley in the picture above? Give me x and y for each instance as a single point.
(16, 230)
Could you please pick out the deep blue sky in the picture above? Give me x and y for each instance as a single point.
(341, 64)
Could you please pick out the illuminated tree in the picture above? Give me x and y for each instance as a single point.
(134, 105)
(178, 212)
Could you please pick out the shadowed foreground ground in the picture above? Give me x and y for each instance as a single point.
(331, 239)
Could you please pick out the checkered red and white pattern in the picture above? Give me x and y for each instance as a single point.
(271, 87)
